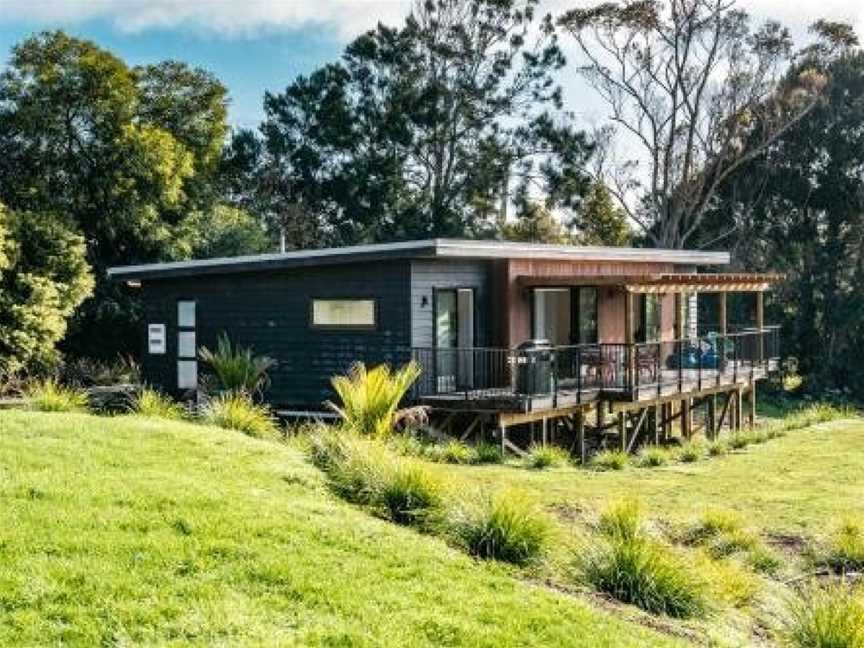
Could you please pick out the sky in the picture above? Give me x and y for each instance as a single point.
(258, 45)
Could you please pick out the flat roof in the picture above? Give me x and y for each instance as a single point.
(430, 248)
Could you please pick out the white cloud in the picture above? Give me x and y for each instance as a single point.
(227, 17)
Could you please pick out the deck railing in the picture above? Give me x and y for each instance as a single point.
(581, 372)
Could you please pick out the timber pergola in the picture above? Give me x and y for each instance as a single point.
(664, 283)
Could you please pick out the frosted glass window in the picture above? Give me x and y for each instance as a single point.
(187, 374)
(186, 344)
(343, 312)
(186, 314)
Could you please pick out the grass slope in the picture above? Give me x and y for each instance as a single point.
(131, 530)
(805, 481)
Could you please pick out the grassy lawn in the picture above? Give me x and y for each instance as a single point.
(137, 531)
(801, 482)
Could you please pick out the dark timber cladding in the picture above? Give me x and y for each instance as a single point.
(270, 311)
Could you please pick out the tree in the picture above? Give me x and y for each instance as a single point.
(223, 231)
(599, 221)
(697, 92)
(536, 224)
(430, 129)
(43, 277)
(123, 155)
(799, 209)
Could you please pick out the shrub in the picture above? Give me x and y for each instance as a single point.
(237, 411)
(689, 452)
(621, 520)
(51, 396)
(717, 449)
(826, 617)
(87, 372)
(610, 460)
(370, 398)
(236, 368)
(844, 549)
(150, 402)
(488, 453)
(540, 457)
(647, 574)
(502, 526)
(652, 457)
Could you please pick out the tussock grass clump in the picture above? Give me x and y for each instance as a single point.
(633, 568)
(152, 403)
(488, 453)
(728, 581)
(457, 452)
(541, 457)
(826, 617)
(717, 449)
(645, 573)
(722, 534)
(844, 548)
(690, 452)
(621, 520)
(814, 415)
(237, 411)
(51, 396)
(502, 526)
(610, 460)
(364, 471)
(236, 368)
(653, 457)
(739, 440)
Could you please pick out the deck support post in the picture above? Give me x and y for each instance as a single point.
(739, 408)
(760, 325)
(622, 429)
(656, 422)
(580, 435)
(544, 431)
(711, 422)
(686, 418)
(751, 414)
(502, 434)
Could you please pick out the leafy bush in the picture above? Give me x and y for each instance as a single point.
(502, 526)
(621, 520)
(645, 573)
(844, 548)
(150, 402)
(826, 617)
(488, 453)
(51, 396)
(237, 411)
(370, 398)
(236, 368)
(689, 452)
(610, 460)
(540, 457)
(652, 457)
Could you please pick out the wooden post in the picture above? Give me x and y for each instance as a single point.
(739, 408)
(711, 423)
(721, 314)
(580, 436)
(752, 402)
(544, 431)
(622, 429)
(760, 323)
(657, 418)
(502, 433)
(686, 418)
(630, 338)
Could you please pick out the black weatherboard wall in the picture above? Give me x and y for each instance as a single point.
(271, 312)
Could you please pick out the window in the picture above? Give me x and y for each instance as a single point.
(586, 315)
(648, 322)
(343, 313)
(187, 351)
(552, 315)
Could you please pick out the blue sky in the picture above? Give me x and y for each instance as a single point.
(246, 65)
(253, 45)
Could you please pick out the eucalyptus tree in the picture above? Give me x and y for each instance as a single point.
(695, 90)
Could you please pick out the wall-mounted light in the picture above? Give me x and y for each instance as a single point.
(424, 301)
(134, 283)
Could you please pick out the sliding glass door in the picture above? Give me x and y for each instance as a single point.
(565, 316)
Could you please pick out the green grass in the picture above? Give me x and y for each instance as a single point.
(844, 548)
(804, 482)
(150, 402)
(237, 411)
(653, 457)
(827, 617)
(541, 457)
(610, 460)
(129, 530)
(51, 396)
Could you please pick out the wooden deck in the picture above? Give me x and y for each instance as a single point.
(671, 385)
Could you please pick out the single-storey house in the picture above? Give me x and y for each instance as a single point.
(621, 323)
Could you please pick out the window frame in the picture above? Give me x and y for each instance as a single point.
(185, 328)
(344, 327)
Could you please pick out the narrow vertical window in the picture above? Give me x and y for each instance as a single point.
(187, 348)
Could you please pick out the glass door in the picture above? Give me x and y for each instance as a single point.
(454, 338)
